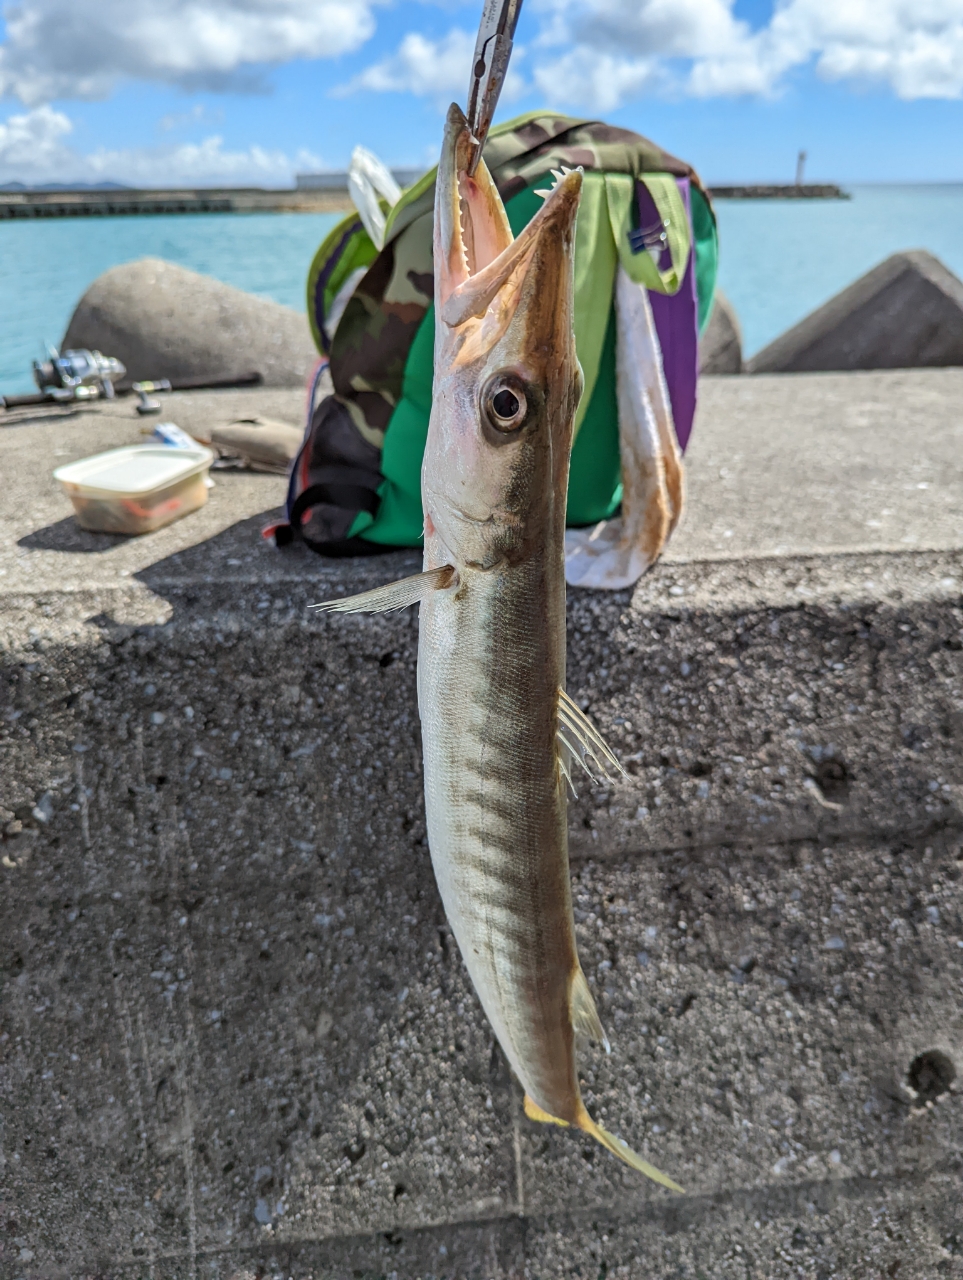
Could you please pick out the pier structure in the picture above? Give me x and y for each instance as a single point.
(236, 1035)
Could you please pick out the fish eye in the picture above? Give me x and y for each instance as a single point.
(505, 404)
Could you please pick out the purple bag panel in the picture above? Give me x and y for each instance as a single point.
(677, 324)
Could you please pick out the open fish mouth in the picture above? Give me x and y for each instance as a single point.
(479, 256)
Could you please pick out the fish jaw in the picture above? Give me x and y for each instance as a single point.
(464, 243)
(504, 337)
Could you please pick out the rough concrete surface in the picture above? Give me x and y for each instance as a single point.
(164, 321)
(236, 1039)
(720, 346)
(906, 313)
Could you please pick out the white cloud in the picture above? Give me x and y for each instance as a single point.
(590, 54)
(31, 145)
(33, 150)
(668, 28)
(618, 49)
(198, 114)
(82, 49)
(431, 69)
(915, 49)
(599, 83)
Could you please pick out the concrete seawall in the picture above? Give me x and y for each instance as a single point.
(128, 201)
(236, 1038)
(86, 203)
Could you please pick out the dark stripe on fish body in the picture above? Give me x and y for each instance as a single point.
(492, 804)
(494, 769)
(503, 870)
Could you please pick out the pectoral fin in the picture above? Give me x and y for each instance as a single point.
(396, 595)
(578, 739)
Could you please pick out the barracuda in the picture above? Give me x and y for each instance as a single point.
(500, 734)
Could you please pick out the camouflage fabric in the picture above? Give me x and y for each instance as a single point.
(376, 330)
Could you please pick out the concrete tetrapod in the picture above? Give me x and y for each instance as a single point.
(906, 313)
(720, 346)
(164, 321)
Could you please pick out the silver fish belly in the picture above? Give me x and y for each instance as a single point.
(491, 661)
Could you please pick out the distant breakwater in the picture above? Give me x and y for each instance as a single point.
(762, 191)
(87, 203)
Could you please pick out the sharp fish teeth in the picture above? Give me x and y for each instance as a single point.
(462, 226)
(544, 194)
(558, 175)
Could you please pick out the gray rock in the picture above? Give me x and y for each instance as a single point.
(720, 347)
(906, 313)
(166, 322)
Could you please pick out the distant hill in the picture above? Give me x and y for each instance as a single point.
(65, 186)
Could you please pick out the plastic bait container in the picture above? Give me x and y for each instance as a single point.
(136, 489)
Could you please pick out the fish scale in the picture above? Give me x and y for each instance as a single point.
(496, 858)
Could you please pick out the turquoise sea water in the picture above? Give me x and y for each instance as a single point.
(46, 264)
(779, 258)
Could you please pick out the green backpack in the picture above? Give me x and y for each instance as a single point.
(356, 484)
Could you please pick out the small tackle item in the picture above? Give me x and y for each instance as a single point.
(138, 488)
(78, 375)
(65, 377)
(144, 404)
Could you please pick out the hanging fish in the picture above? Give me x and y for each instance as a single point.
(500, 734)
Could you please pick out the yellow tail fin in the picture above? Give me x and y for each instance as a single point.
(535, 1112)
(608, 1140)
(625, 1152)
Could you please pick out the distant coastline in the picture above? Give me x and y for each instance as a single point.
(116, 201)
(111, 199)
(65, 186)
(775, 191)
(779, 259)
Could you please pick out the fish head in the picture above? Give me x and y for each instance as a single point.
(506, 377)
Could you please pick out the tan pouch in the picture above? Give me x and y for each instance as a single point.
(263, 444)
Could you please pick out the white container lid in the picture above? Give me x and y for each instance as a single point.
(137, 469)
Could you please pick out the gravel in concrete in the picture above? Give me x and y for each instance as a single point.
(236, 1039)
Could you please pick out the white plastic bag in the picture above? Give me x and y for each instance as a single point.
(368, 180)
(617, 552)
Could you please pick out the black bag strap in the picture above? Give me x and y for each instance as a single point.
(341, 489)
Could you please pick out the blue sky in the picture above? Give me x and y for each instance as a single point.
(209, 91)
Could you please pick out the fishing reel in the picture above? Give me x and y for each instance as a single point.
(78, 375)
